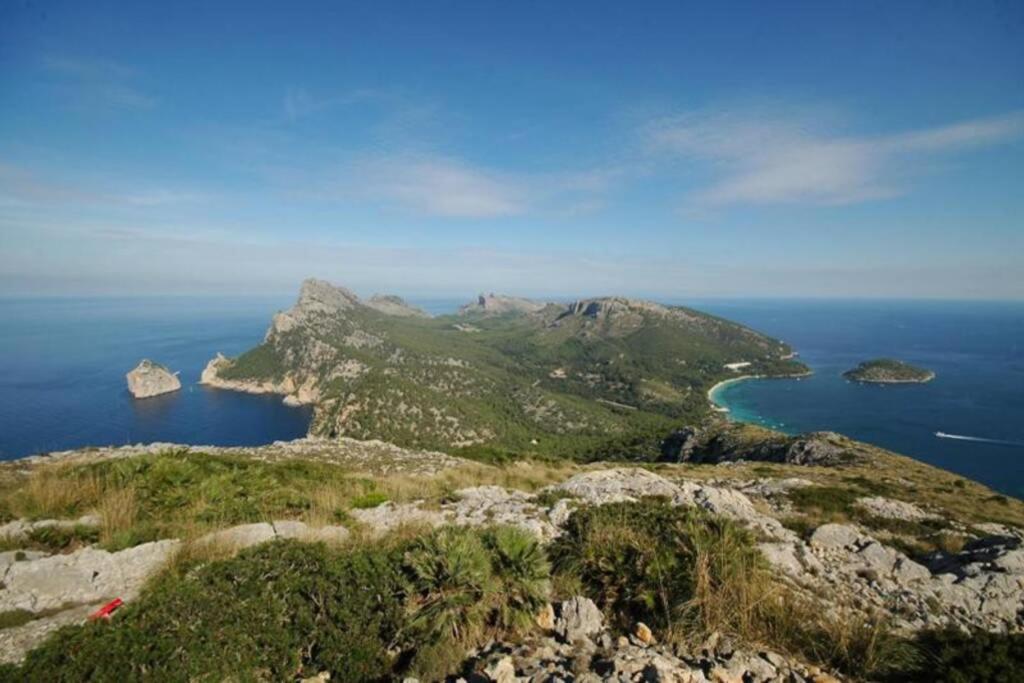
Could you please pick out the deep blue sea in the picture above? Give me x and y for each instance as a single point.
(62, 366)
(976, 350)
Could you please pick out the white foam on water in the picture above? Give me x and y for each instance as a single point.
(978, 439)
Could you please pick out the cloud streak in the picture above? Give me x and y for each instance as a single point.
(96, 84)
(440, 186)
(762, 160)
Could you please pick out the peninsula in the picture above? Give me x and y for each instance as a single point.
(582, 379)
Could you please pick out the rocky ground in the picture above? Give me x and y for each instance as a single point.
(578, 646)
(376, 457)
(847, 567)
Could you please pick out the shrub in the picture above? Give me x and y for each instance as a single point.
(465, 582)
(523, 576)
(663, 565)
(451, 578)
(274, 612)
(951, 656)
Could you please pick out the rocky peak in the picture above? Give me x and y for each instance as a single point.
(321, 296)
(606, 307)
(498, 304)
(394, 305)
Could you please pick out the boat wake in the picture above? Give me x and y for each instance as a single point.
(979, 439)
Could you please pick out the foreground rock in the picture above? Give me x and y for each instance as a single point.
(19, 529)
(583, 649)
(57, 590)
(150, 379)
(84, 576)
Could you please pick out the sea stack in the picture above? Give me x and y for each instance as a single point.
(151, 379)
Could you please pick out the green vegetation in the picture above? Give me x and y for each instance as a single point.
(286, 610)
(888, 370)
(951, 656)
(689, 574)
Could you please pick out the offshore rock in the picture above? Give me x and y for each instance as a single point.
(151, 379)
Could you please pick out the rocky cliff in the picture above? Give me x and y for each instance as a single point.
(500, 304)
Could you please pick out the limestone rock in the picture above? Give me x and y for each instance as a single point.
(499, 304)
(578, 618)
(151, 379)
(85, 576)
(21, 528)
(390, 516)
(834, 536)
(545, 619)
(894, 509)
(394, 305)
(643, 634)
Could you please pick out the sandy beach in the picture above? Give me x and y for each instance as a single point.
(731, 380)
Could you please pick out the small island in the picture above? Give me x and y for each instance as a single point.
(150, 379)
(889, 371)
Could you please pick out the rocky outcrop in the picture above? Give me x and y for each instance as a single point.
(376, 457)
(886, 508)
(295, 394)
(582, 648)
(500, 304)
(716, 445)
(18, 529)
(150, 379)
(390, 304)
(86, 576)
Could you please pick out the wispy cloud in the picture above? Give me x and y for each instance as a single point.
(22, 187)
(440, 186)
(96, 83)
(767, 159)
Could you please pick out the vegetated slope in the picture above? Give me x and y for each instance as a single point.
(584, 378)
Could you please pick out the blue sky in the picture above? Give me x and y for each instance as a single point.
(433, 149)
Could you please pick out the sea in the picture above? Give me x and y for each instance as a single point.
(63, 361)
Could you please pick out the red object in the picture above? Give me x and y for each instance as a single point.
(107, 609)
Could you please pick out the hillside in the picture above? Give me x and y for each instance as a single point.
(340, 560)
(587, 378)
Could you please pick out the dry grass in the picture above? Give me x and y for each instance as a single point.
(56, 491)
(117, 509)
(327, 506)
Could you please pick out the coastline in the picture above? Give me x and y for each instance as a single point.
(722, 408)
(861, 380)
(732, 380)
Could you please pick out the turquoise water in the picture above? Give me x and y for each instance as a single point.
(976, 349)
